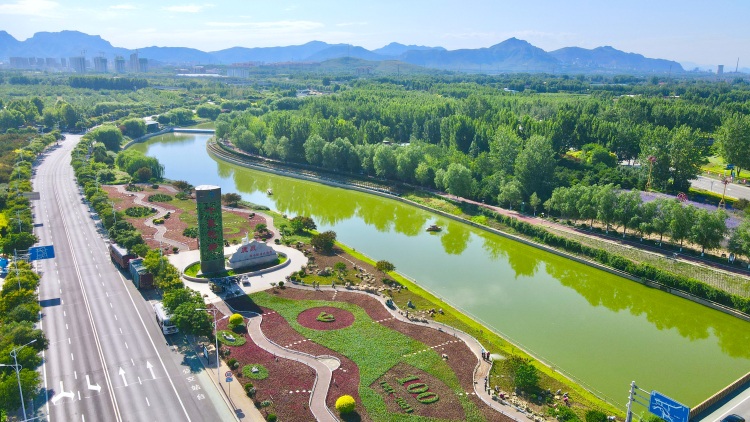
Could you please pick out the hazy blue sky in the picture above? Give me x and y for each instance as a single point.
(714, 32)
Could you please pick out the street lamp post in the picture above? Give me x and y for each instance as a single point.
(17, 368)
(216, 338)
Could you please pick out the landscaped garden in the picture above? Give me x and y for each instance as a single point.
(192, 270)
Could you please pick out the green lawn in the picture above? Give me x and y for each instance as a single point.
(374, 348)
(717, 166)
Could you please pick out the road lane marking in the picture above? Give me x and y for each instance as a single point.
(66, 327)
(71, 357)
(149, 404)
(115, 317)
(120, 330)
(126, 346)
(75, 374)
(122, 374)
(113, 400)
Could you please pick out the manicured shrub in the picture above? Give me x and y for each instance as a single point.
(345, 404)
(154, 186)
(231, 362)
(236, 319)
(271, 417)
(182, 196)
(159, 197)
(138, 211)
(191, 232)
(281, 284)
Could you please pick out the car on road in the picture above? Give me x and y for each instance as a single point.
(733, 418)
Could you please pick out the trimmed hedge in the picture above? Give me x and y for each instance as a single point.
(159, 197)
(618, 262)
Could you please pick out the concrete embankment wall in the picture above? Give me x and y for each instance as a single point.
(220, 154)
(697, 410)
(167, 130)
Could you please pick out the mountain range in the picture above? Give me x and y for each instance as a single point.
(511, 55)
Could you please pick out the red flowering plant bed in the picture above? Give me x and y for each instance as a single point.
(325, 318)
(288, 384)
(345, 380)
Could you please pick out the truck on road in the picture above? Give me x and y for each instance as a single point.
(120, 256)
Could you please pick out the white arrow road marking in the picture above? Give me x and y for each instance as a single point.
(93, 387)
(122, 374)
(150, 368)
(61, 394)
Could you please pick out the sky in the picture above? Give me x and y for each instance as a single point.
(707, 33)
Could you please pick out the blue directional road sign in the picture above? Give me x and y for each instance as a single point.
(668, 409)
(41, 252)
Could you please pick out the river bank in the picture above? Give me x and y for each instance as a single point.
(604, 329)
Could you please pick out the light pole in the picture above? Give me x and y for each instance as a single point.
(17, 367)
(216, 338)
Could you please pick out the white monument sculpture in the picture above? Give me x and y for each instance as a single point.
(251, 253)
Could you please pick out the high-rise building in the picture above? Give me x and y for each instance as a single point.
(40, 62)
(78, 64)
(19, 62)
(720, 70)
(100, 64)
(238, 72)
(63, 63)
(32, 61)
(134, 62)
(143, 65)
(119, 64)
(50, 62)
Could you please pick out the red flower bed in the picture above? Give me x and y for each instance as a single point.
(345, 379)
(284, 376)
(325, 318)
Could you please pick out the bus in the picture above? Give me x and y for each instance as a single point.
(164, 319)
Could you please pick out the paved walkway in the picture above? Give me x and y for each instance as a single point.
(481, 370)
(323, 372)
(161, 230)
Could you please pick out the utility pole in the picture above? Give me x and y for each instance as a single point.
(17, 367)
(631, 397)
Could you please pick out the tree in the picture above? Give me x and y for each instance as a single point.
(522, 372)
(143, 174)
(300, 223)
(709, 228)
(662, 217)
(384, 161)
(182, 186)
(326, 81)
(594, 415)
(534, 201)
(208, 111)
(324, 241)
(261, 227)
(683, 219)
(535, 166)
(385, 267)
(314, 150)
(231, 198)
(110, 136)
(134, 128)
(627, 208)
(644, 220)
(424, 174)
(607, 205)
(340, 267)
(510, 194)
(457, 180)
(18, 241)
(587, 203)
(733, 140)
(688, 151)
(505, 147)
(739, 241)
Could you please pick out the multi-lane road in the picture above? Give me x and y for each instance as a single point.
(733, 190)
(107, 358)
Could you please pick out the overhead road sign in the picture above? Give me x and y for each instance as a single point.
(41, 252)
(668, 409)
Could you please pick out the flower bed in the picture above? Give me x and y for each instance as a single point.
(363, 342)
(325, 318)
(412, 391)
(284, 386)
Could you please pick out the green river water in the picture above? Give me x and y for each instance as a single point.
(603, 329)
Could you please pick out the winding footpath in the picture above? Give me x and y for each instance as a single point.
(161, 230)
(324, 374)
